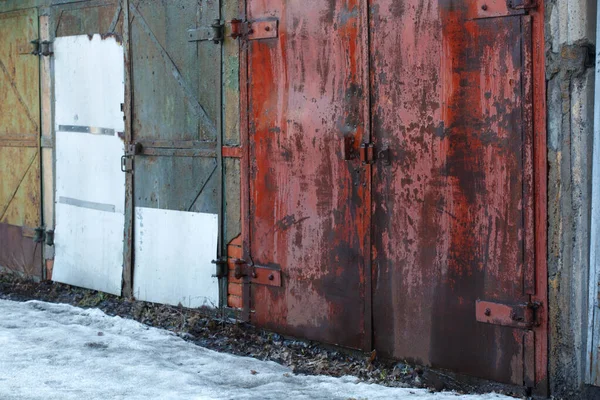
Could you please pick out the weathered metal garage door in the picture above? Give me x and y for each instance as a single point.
(452, 198)
(453, 272)
(176, 81)
(308, 190)
(20, 197)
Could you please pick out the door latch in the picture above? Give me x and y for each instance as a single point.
(127, 159)
(213, 33)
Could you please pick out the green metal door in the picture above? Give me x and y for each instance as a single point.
(20, 189)
(176, 141)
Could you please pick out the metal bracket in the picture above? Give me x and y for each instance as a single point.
(221, 267)
(50, 238)
(524, 315)
(367, 153)
(254, 30)
(213, 33)
(259, 275)
(348, 150)
(42, 48)
(39, 234)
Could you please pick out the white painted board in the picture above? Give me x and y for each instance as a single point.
(173, 254)
(90, 186)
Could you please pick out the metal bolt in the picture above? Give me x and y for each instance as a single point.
(271, 277)
(484, 7)
(267, 28)
(488, 312)
(254, 275)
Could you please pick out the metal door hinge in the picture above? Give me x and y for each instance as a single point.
(524, 315)
(254, 30)
(221, 267)
(41, 235)
(213, 33)
(521, 4)
(42, 48)
(259, 275)
(367, 153)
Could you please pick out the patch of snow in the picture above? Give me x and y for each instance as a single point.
(56, 351)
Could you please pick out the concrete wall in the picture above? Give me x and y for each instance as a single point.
(570, 35)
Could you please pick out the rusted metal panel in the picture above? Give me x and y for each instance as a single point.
(20, 197)
(18, 252)
(452, 208)
(306, 93)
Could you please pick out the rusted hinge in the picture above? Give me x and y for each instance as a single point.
(213, 33)
(524, 315)
(521, 4)
(259, 275)
(254, 30)
(41, 48)
(367, 153)
(221, 264)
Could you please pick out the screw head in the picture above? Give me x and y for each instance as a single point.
(271, 277)
(484, 7)
(488, 312)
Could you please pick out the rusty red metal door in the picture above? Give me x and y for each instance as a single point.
(426, 171)
(453, 234)
(308, 200)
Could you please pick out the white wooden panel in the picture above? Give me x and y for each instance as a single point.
(89, 81)
(90, 187)
(173, 254)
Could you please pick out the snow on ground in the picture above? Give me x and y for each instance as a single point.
(56, 351)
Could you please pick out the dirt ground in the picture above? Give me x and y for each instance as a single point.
(217, 332)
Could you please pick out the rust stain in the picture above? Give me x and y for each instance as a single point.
(451, 215)
(305, 96)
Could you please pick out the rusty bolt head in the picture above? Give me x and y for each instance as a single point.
(484, 7)
(271, 277)
(267, 28)
(488, 312)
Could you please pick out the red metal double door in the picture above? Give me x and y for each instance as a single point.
(391, 180)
